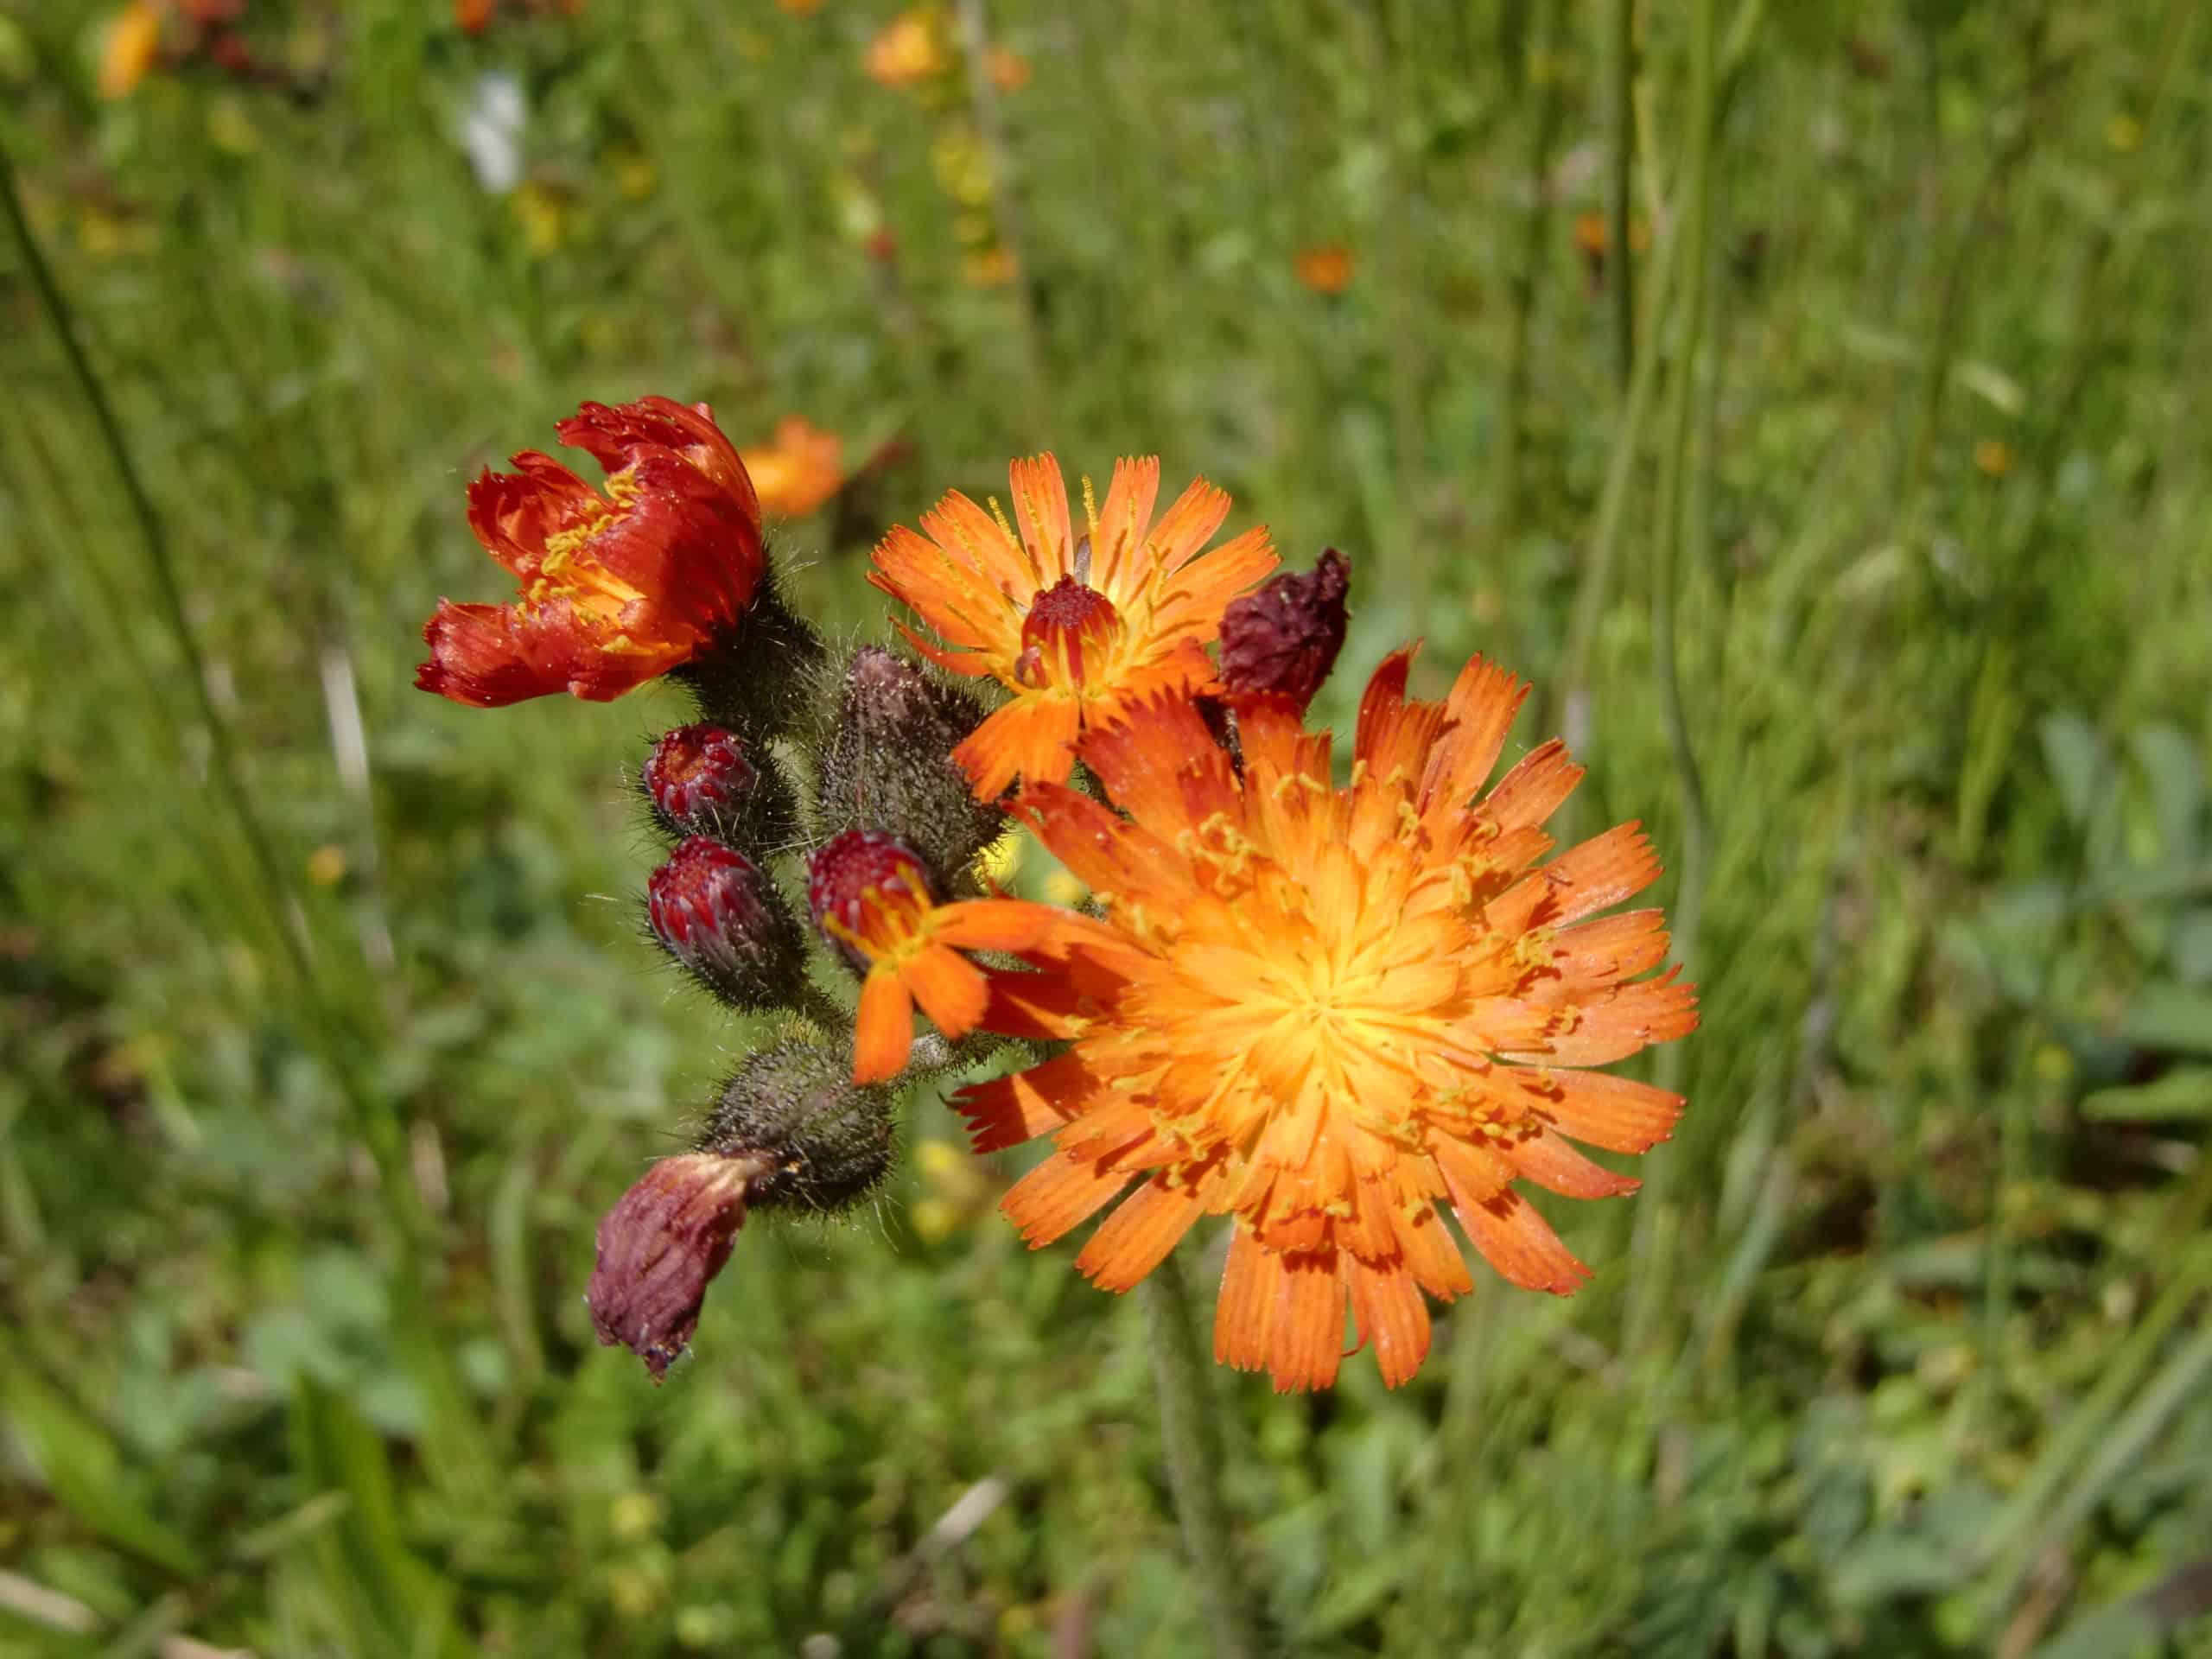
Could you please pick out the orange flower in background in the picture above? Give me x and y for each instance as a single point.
(618, 587)
(474, 16)
(989, 268)
(798, 472)
(873, 899)
(1325, 268)
(1327, 1010)
(131, 44)
(911, 48)
(1077, 629)
(1008, 70)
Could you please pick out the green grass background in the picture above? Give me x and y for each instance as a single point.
(1903, 1350)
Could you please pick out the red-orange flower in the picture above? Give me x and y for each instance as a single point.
(1325, 1010)
(804, 467)
(1326, 267)
(874, 900)
(618, 587)
(1076, 630)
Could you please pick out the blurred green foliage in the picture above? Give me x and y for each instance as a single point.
(1908, 1357)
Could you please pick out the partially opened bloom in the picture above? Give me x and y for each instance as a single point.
(1077, 628)
(875, 901)
(1327, 1010)
(618, 588)
(800, 470)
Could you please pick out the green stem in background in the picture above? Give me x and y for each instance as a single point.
(1005, 207)
(1620, 160)
(1543, 76)
(1193, 1441)
(153, 539)
(1650, 1255)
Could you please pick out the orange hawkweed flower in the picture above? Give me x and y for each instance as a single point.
(804, 467)
(912, 47)
(131, 44)
(1325, 1010)
(1076, 629)
(617, 588)
(1325, 268)
(873, 901)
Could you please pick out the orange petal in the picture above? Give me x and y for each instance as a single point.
(1484, 700)
(1032, 738)
(1006, 1111)
(1137, 1236)
(1040, 513)
(994, 923)
(1043, 1007)
(1245, 1311)
(1380, 703)
(1578, 882)
(1120, 561)
(1392, 1319)
(1058, 1194)
(1189, 525)
(1619, 1114)
(1531, 792)
(1621, 1022)
(1307, 1335)
(971, 536)
(1592, 955)
(1520, 1245)
(950, 988)
(1198, 595)
(1432, 1256)
(1473, 1173)
(1552, 1164)
(883, 1033)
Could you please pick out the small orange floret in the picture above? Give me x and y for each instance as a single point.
(1331, 1012)
(618, 588)
(1325, 268)
(1075, 625)
(911, 48)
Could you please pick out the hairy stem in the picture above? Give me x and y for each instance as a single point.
(1187, 1425)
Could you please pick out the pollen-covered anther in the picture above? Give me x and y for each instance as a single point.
(1068, 625)
(716, 913)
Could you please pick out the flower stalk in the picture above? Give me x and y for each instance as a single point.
(1191, 1435)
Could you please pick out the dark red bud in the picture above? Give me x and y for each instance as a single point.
(1281, 641)
(661, 1246)
(714, 910)
(1063, 621)
(846, 867)
(699, 778)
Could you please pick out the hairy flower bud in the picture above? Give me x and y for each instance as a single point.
(1281, 640)
(718, 914)
(857, 874)
(888, 766)
(703, 780)
(830, 1143)
(661, 1246)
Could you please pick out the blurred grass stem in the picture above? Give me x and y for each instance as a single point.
(1620, 160)
(1541, 76)
(1187, 1427)
(1651, 1255)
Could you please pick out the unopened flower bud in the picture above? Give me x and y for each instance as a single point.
(889, 764)
(719, 915)
(859, 872)
(831, 1141)
(703, 780)
(1280, 641)
(661, 1246)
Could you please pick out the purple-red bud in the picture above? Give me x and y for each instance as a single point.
(698, 777)
(716, 913)
(1281, 641)
(661, 1246)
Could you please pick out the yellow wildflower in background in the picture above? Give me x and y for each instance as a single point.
(130, 46)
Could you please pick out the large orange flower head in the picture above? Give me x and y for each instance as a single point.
(1328, 1009)
(618, 588)
(1077, 626)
